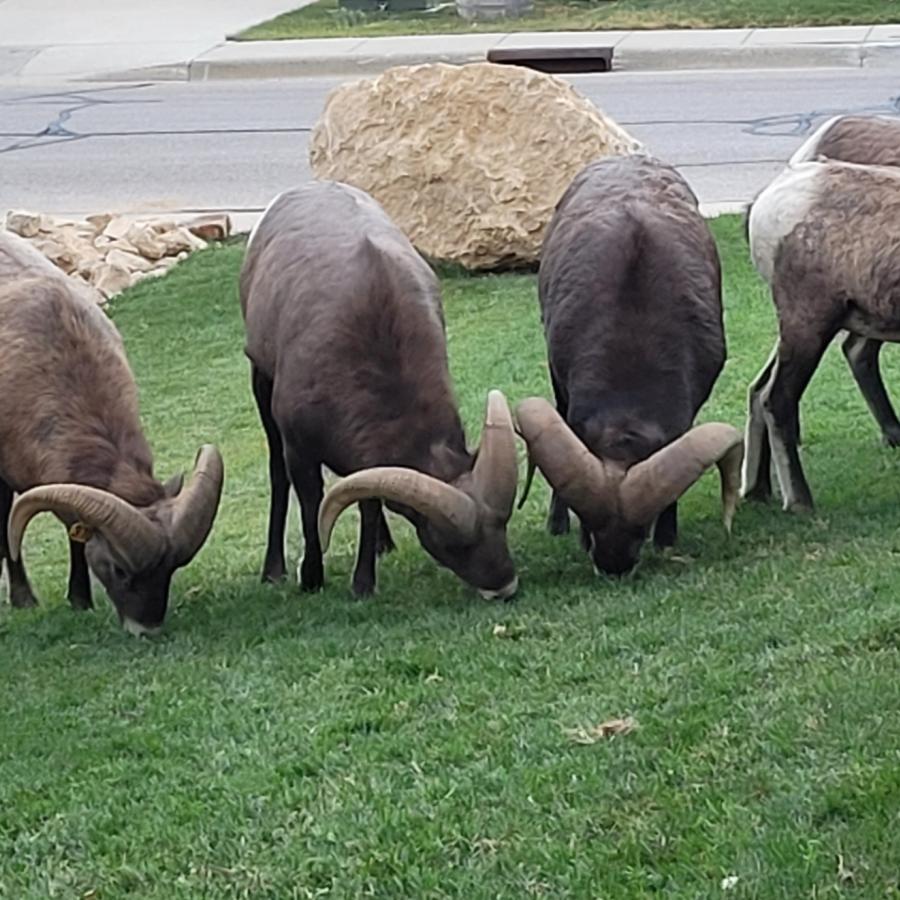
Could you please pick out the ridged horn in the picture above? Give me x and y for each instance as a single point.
(195, 507)
(447, 507)
(658, 481)
(137, 541)
(496, 471)
(579, 477)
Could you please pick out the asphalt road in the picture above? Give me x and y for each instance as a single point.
(234, 145)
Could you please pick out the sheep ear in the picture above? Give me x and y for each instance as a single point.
(173, 486)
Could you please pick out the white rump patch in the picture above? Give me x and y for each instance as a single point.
(779, 209)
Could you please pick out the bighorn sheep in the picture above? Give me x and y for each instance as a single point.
(630, 289)
(806, 283)
(345, 334)
(71, 443)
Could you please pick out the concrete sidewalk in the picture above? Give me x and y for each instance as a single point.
(851, 46)
(70, 40)
(56, 41)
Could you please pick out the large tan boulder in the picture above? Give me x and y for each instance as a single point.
(468, 160)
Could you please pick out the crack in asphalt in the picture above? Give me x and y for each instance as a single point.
(82, 100)
(57, 130)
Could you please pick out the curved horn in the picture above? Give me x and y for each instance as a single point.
(137, 541)
(447, 507)
(658, 481)
(496, 471)
(195, 508)
(579, 477)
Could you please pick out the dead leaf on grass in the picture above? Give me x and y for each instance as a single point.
(610, 728)
(844, 874)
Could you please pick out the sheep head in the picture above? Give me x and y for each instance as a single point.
(618, 503)
(134, 551)
(461, 524)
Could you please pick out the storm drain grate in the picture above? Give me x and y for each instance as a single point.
(558, 60)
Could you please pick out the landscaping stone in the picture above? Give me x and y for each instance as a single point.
(471, 160)
(104, 253)
(23, 223)
(18, 258)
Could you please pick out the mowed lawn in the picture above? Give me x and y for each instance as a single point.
(273, 744)
(325, 18)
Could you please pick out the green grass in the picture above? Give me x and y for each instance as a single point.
(326, 19)
(277, 745)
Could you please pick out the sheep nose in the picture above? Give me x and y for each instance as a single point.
(504, 593)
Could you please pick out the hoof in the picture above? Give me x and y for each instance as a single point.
(891, 438)
(558, 526)
(22, 598)
(362, 589)
(760, 493)
(79, 602)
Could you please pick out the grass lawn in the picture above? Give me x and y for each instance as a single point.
(325, 19)
(277, 745)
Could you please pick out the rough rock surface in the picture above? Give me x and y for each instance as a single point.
(468, 160)
(104, 254)
(19, 258)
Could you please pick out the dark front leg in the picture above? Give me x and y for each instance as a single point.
(306, 477)
(384, 543)
(862, 356)
(20, 593)
(273, 565)
(370, 521)
(79, 578)
(665, 531)
(797, 358)
(558, 519)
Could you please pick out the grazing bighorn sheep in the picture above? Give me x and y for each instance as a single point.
(345, 334)
(630, 293)
(71, 444)
(826, 237)
(852, 139)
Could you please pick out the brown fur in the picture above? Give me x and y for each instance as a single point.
(68, 402)
(630, 293)
(868, 140)
(837, 269)
(842, 262)
(345, 334)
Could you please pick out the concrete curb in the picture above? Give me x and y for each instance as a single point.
(852, 47)
(359, 62)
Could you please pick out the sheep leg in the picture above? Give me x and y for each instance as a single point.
(370, 521)
(558, 518)
(794, 366)
(862, 355)
(384, 543)
(79, 592)
(273, 566)
(20, 593)
(307, 480)
(665, 531)
(756, 480)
